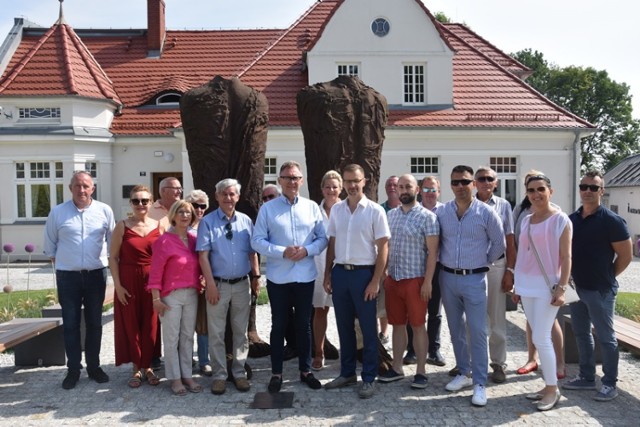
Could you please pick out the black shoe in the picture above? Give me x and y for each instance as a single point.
(436, 359)
(156, 363)
(72, 378)
(275, 384)
(409, 359)
(98, 375)
(330, 351)
(289, 353)
(311, 381)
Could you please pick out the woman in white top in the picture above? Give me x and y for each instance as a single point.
(331, 185)
(548, 232)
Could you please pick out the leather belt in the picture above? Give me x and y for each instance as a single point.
(464, 271)
(230, 281)
(351, 267)
(501, 256)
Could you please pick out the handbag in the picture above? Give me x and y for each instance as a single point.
(570, 293)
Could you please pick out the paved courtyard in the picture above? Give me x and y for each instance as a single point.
(33, 396)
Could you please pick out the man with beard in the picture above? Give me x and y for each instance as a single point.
(413, 252)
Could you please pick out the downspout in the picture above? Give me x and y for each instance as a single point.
(576, 168)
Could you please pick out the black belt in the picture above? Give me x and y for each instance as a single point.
(501, 256)
(350, 267)
(464, 271)
(230, 281)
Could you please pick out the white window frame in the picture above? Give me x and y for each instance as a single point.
(421, 166)
(34, 173)
(160, 100)
(270, 170)
(39, 115)
(348, 69)
(507, 169)
(414, 84)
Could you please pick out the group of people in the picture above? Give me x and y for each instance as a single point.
(463, 255)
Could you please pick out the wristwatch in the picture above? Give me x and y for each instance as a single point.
(255, 276)
(563, 287)
(511, 270)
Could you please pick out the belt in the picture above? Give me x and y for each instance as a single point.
(464, 272)
(230, 281)
(350, 267)
(501, 256)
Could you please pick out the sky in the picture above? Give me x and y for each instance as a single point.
(588, 33)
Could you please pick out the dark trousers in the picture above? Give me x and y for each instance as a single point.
(281, 298)
(349, 304)
(75, 290)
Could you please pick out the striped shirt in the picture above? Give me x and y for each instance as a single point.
(407, 246)
(503, 208)
(474, 241)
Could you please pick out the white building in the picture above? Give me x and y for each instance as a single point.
(106, 100)
(622, 194)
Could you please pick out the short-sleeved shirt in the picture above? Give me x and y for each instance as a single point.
(356, 233)
(229, 257)
(592, 254)
(407, 247)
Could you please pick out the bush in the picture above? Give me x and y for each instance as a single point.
(25, 304)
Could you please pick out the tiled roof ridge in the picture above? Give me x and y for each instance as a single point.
(11, 76)
(518, 80)
(286, 32)
(485, 41)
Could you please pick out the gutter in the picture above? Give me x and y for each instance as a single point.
(576, 168)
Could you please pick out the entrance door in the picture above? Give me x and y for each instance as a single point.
(159, 176)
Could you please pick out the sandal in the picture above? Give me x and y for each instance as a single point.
(195, 388)
(318, 363)
(152, 378)
(135, 380)
(178, 390)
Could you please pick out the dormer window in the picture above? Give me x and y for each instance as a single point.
(170, 99)
(414, 84)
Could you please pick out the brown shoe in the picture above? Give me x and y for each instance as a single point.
(498, 376)
(218, 386)
(242, 384)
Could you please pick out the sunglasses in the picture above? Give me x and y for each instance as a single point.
(592, 188)
(228, 233)
(457, 182)
(485, 179)
(202, 206)
(268, 197)
(538, 189)
(429, 190)
(137, 202)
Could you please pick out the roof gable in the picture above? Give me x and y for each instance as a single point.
(624, 174)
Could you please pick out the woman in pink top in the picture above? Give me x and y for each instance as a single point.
(548, 231)
(174, 282)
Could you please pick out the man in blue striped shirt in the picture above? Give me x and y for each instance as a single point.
(471, 238)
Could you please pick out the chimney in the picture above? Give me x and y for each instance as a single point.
(156, 27)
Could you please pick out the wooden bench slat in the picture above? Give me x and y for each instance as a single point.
(17, 331)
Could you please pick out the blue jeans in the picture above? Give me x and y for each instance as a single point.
(597, 308)
(466, 297)
(281, 298)
(349, 304)
(75, 290)
(203, 349)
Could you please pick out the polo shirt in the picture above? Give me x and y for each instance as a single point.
(592, 254)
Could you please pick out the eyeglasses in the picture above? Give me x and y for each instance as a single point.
(353, 181)
(228, 233)
(268, 197)
(429, 190)
(202, 206)
(592, 188)
(138, 202)
(457, 182)
(486, 178)
(174, 188)
(538, 189)
(292, 179)
(184, 213)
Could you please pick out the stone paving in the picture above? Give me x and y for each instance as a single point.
(34, 396)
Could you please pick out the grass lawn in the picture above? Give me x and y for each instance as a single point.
(25, 304)
(628, 305)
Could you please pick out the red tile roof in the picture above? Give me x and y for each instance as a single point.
(486, 89)
(58, 63)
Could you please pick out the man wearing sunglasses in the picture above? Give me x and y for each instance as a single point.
(471, 239)
(170, 192)
(270, 192)
(500, 275)
(289, 232)
(601, 250)
(231, 271)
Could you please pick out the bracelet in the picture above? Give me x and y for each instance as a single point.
(255, 276)
(156, 299)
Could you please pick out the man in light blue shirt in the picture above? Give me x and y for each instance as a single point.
(230, 269)
(76, 238)
(471, 238)
(289, 232)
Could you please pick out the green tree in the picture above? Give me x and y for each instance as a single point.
(441, 17)
(593, 96)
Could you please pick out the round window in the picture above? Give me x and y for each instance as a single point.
(380, 27)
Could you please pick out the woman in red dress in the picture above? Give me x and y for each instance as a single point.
(135, 322)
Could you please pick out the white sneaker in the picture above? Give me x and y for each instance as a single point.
(479, 395)
(458, 383)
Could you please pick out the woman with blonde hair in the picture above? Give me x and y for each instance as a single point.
(544, 256)
(174, 283)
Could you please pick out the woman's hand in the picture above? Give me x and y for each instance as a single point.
(557, 298)
(160, 307)
(122, 295)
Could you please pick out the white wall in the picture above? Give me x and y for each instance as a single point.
(627, 199)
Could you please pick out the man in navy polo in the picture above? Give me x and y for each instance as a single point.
(601, 250)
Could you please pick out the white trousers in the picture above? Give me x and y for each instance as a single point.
(178, 326)
(541, 315)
